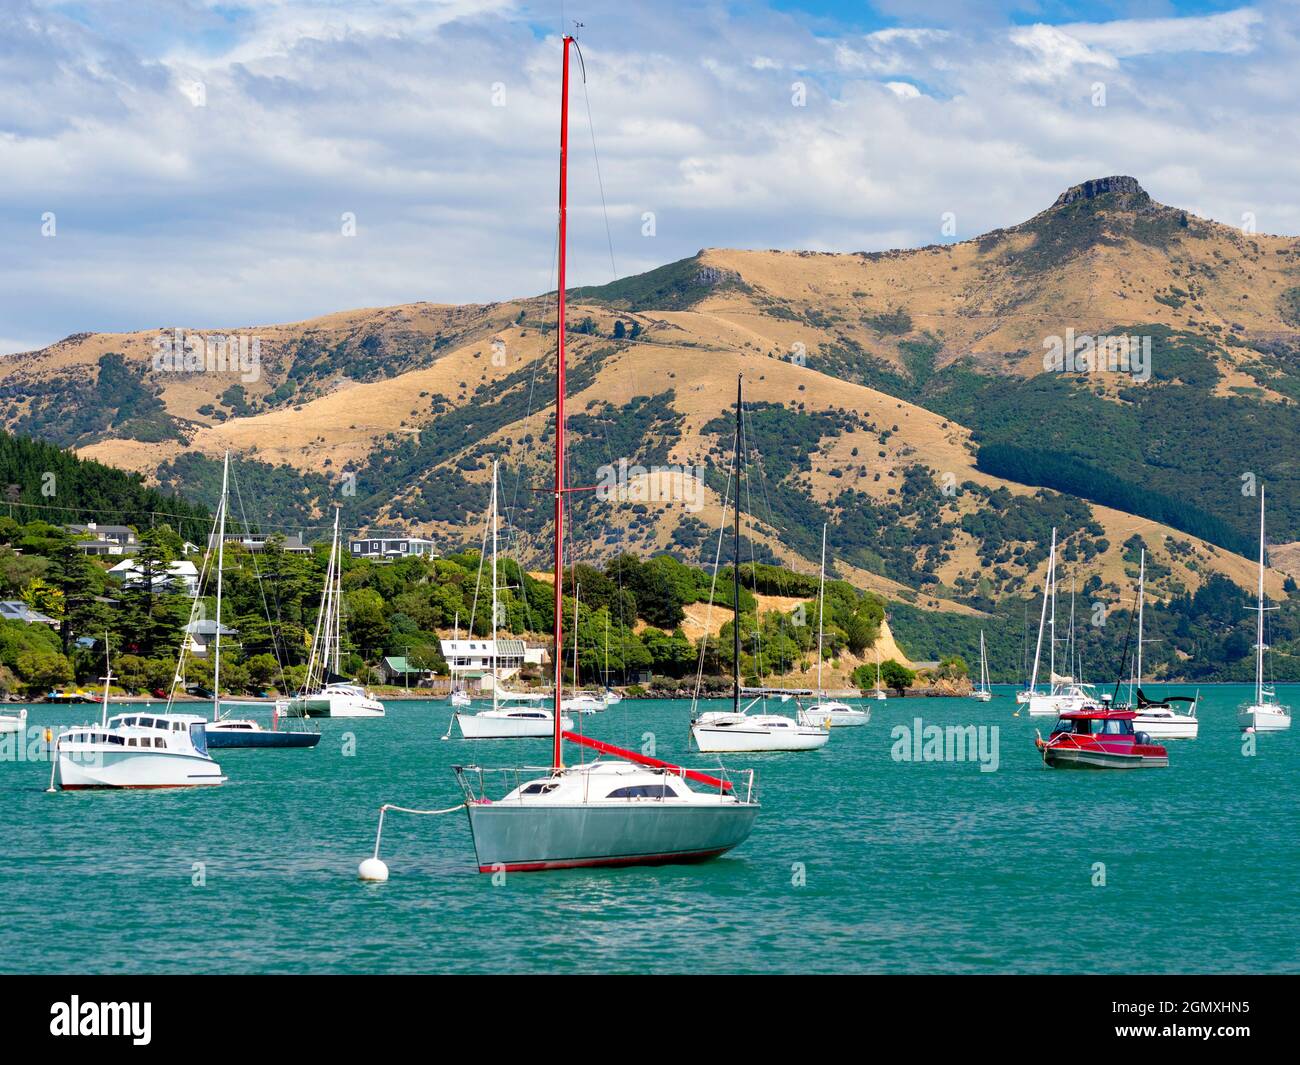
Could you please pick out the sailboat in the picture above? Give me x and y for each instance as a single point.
(878, 693)
(325, 691)
(633, 809)
(1265, 714)
(612, 698)
(1064, 693)
(226, 731)
(504, 721)
(1157, 718)
(825, 711)
(736, 730)
(984, 692)
(580, 702)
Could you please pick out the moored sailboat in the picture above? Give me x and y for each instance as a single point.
(1157, 717)
(984, 692)
(633, 810)
(826, 711)
(1265, 713)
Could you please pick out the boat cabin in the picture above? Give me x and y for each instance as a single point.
(1096, 722)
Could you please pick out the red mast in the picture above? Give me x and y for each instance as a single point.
(557, 759)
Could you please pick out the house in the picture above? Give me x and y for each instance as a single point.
(472, 659)
(255, 543)
(96, 539)
(181, 576)
(388, 548)
(202, 634)
(397, 669)
(17, 610)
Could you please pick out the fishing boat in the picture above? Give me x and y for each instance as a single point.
(828, 711)
(227, 732)
(135, 750)
(985, 691)
(633, 809)
(13, 722)
(504, 719)
(738, 730)
(1265, 714)
(325, 691)
(1064, 693)
(1158, 718)
(1099, 737)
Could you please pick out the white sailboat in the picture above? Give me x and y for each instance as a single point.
(612, 698)
(632, 810)
(325, 692)
(520, 716)
(878, 693)
(580, 702)
(1265, 714)
(1157, 718)
(984, 692)
(1064, 693)
(825, 711)
(738, 730)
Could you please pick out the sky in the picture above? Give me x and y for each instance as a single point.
(194, 164)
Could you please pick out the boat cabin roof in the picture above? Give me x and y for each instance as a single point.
(1099, 712)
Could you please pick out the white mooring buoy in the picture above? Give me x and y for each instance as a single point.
(373, 869)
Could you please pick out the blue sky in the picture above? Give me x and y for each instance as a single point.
(177, 163)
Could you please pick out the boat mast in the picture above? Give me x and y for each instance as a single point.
(735, 564)
(1051, 645)
(1259, 640)
(821, 607)
(557, 761)
(1042, 619)
(338, 598)
(495, 678)
(221, 555)
(577, 591)
(1142, 590)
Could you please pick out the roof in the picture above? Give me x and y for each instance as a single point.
(179, 568)
(114, 530)
(208, 627)
(401, 664)
(17, 610)
(505, 647)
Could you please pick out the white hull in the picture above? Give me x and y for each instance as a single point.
(879, 695)
(1167, 726)
(335, 704)
(728, 733)
(834, 715)
(136, 769)
(10, 723)
(583, 704)
(983, 697)
(1055, 705)
(1264, 718)
(509, 724)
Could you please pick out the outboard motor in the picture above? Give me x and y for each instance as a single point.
(1142, 739)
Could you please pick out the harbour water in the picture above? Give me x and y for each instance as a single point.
(859, 862)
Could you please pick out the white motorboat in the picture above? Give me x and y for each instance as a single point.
(325, 691)
(1157, 717)
(985, 691)
(828, 712)
(13, 722)
(461, 699)
(135, 750)
(1265, 714)
(728, 732)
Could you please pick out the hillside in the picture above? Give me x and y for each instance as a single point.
(900, 396)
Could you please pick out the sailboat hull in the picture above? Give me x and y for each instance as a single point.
(507, 725)
(1167, 726)
(740, 734)
(1264, 718)
(535, 838)
(260, 738)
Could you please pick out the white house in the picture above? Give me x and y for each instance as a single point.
(472, 659)
(388, 548)
(181, 576)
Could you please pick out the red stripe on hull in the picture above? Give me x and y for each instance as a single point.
(584, 863)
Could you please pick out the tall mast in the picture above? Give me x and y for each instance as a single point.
(336, 614)
(1142, 591)
(495, 678)
(577, 591)
(221, 556)
(557, 760)
(1051, 644)
(1259, 641)
(821, 607)
(735, 564)
(1042, 620)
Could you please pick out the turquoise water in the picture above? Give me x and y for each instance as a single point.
(908, 867)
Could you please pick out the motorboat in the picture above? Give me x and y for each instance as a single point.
(1100, 737)
(13, 722)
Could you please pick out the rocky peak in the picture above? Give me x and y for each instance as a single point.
(1124, 187)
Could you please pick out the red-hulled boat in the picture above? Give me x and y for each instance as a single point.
(1098, 737)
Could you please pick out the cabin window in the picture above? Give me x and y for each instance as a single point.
(539, 789)
(643, 791)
